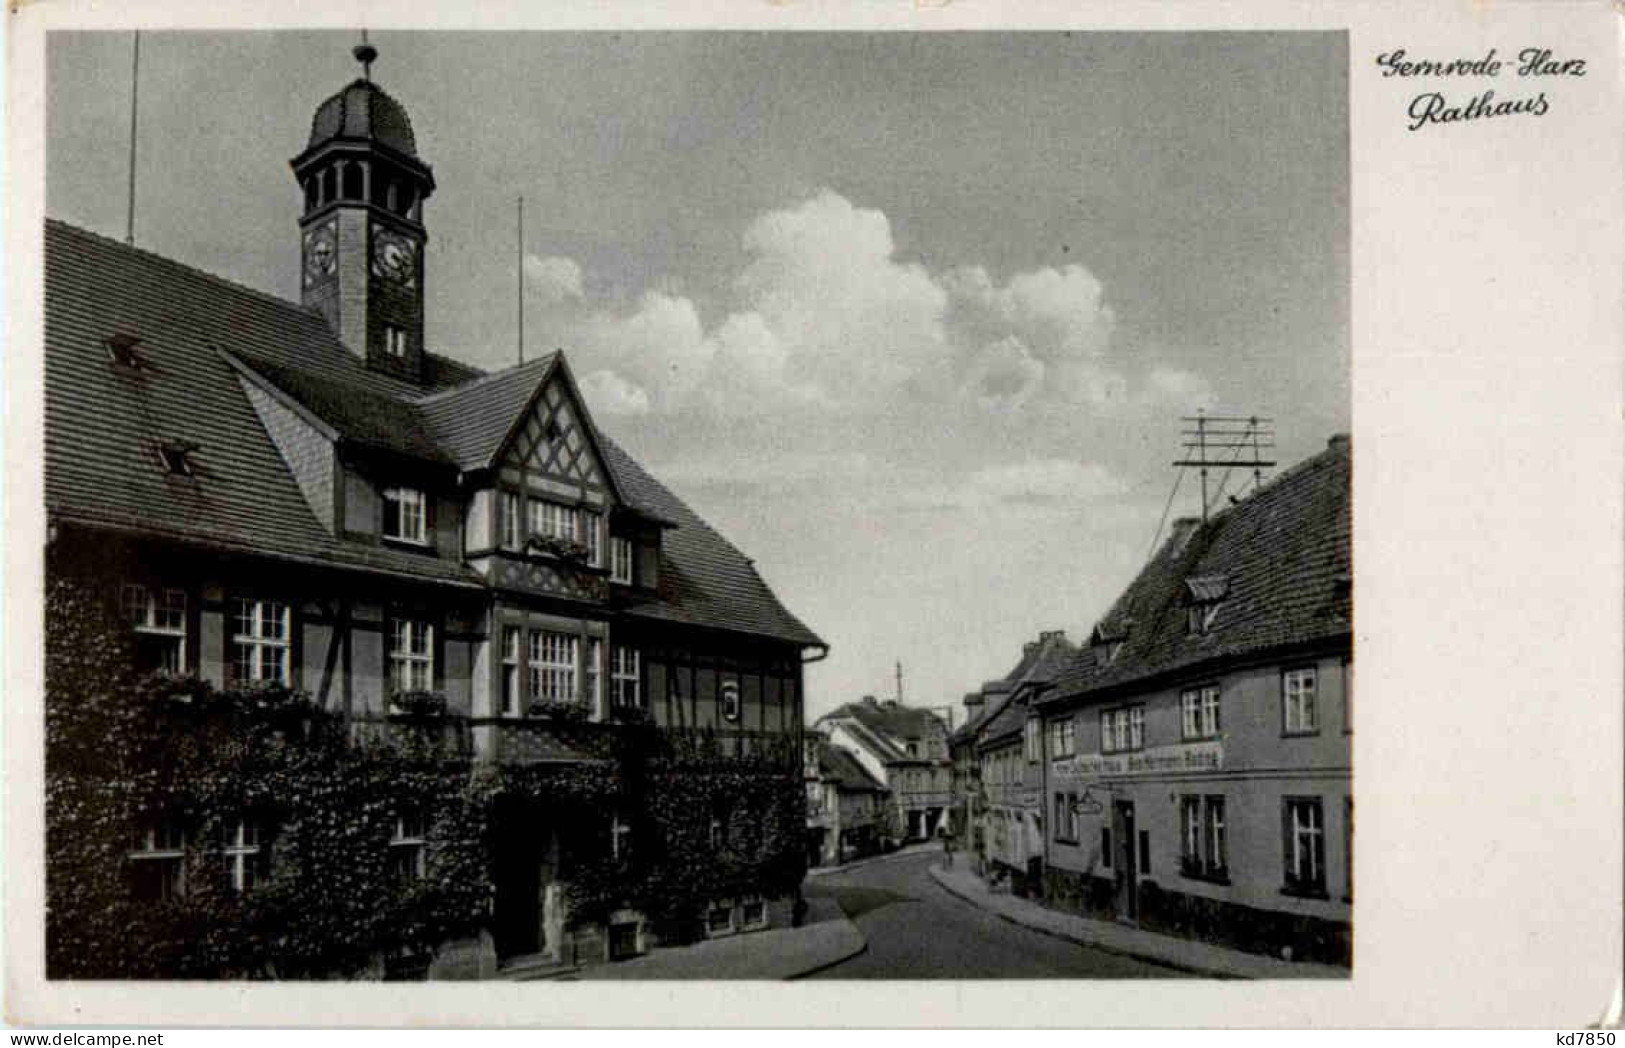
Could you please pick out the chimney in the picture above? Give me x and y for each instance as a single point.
(1180, 533)
(1052, 635)
(1029, 647)
(1339, 442)
(869, 700)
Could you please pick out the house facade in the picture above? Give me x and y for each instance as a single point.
(905, 748)
(306, 493)
(997, 767)
(1197, 752)
(846, 806)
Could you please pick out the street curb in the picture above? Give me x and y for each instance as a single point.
(863, 947)
(901, 853)
(1178, 966)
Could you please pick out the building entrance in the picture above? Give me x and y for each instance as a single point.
(1126, 860)
(524, 869)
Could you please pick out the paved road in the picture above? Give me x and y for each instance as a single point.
(916, 930)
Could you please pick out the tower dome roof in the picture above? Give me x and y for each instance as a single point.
(363, 110)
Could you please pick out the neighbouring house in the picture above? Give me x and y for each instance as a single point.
(1198, 758)
(904, 747)
(305, 493)
(1009, 755)
(846, 806)
(997, 817)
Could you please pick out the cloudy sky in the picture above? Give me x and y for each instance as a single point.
(911, 318)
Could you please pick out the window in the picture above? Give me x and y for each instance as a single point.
(1348, 848)
(175, 456)
(1202, 829)
(620, 560)
(591, 533)
(1031, 740)
(1199, 712)
(1066, 818)
(1298, 702)
(1348, 696)
(405, 515)
(624, 676)
(552, 667)
(394, 341)
(409, 847)
(1204, 594)
(1122, 729)
(510, 670)
(1062, 738)
(259, 642)
(719, 918)
(620, 838)
(159, 620)
(411, 655)
(551, 519)
(593, 669)
(1305, 845)
(513, 524)
(121, 349)
(753, 913)
(240, 846)
(158, 861)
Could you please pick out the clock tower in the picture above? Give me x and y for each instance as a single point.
(362, 235)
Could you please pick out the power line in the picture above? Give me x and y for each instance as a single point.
(1166, 507)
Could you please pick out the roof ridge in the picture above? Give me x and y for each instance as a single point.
(233, 285)
(435, 396)
(213, 278)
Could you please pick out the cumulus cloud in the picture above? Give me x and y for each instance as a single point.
(553, 279)
(609, 394)
(1184, 388)
(827, 314)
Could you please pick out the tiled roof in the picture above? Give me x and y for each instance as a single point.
(874, 742)
(103, 423)
(1041, 661)
(1284, 556)
(470, 423)
(837, 765)
(1043, 664)
(362, 110)
(893, 719)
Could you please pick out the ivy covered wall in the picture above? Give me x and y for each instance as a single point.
(328, 896)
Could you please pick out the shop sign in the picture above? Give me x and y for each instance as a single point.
(1154, 760)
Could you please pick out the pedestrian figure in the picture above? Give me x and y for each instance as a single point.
(947, 849)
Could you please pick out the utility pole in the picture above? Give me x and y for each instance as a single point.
(1245, 439)
(899, 682)
(135, 94)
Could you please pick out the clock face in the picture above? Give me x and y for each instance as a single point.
(394, 257)
(321, 254)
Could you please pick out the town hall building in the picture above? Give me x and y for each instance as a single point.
(307, 493)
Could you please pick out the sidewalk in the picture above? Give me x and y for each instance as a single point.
(903, 852)
(827, 938)
(1186, 954)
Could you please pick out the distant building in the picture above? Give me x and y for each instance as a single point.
(1198, 752)
(1010, 756)
(906, 748)
(998, 781)
(846, 806)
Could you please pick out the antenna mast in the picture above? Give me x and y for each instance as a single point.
(1245, 438)
(135, 92)
(521, 279)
